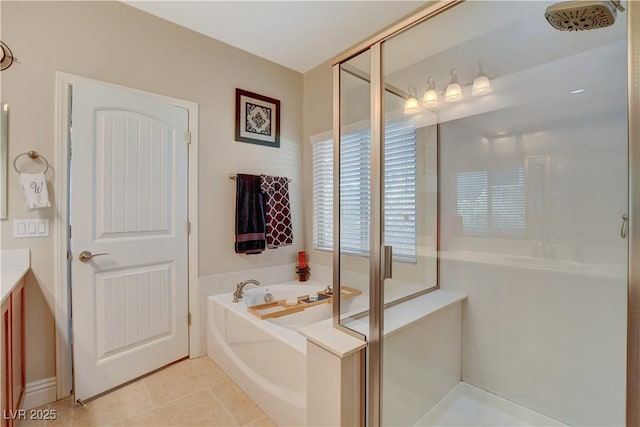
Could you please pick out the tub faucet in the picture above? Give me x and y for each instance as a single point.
(237, 294)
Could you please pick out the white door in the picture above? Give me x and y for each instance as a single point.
(129, 210)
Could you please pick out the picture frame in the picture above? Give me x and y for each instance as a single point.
(257, 119)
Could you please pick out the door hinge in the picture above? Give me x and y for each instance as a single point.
(188, 227)
(69, 255)
(189, 319)
(187, 137)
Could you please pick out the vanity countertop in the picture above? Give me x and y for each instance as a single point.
(15, 263)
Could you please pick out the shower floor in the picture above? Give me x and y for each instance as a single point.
(466, 405)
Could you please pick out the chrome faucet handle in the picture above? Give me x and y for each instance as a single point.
(237, 294)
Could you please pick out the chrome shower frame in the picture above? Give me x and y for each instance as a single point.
(633, 276)
(373, 381)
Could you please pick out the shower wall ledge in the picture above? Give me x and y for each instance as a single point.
(396, 318)
(406, 313)
(555, 266)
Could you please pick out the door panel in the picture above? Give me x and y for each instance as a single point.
(129, 209)
(130, 203)
(143, 319)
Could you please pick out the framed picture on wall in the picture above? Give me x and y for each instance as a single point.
(257, 119)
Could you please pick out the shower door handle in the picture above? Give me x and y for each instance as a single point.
(623, 229)
(387, 262)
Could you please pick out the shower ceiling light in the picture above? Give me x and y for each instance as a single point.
(411, 105)
(453, 92)
(481, 84)
(430, 96)
(573, 92)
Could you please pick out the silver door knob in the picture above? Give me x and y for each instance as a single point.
(85, 256)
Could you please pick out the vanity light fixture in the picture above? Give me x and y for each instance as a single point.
(453, 92)
(411, 105)
(481, 84)
(430, 97)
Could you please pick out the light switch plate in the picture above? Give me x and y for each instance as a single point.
(25, 228)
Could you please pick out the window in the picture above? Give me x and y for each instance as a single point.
(355, 178)
(323, 194)
(492, 203)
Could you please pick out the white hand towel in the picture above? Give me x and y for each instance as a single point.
(34, 188)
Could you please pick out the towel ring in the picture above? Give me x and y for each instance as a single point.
(33, 155)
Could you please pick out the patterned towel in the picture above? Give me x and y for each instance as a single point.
(278, 210)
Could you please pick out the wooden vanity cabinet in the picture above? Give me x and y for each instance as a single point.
(12, 374)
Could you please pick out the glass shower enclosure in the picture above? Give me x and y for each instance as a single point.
(483, 211)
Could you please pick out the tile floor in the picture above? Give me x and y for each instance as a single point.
(188, 393)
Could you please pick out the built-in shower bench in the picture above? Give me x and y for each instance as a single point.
(428, 327)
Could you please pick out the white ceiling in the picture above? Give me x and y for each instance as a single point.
(297, 34)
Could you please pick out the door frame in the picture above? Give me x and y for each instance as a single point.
(64, 356)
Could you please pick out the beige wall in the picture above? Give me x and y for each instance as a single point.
(317, 118)
(113, 42)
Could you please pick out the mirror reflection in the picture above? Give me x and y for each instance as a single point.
(4, 115)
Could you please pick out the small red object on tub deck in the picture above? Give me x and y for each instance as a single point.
(302, 269)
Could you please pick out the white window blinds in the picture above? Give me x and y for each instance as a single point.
(400, 189)
(355, 181)
(355, 178)
(323, 195)
(492, 203)
(471, 202)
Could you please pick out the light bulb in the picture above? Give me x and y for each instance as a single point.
(430, 96)
(481, 84)
(411, 105)
(453, 92)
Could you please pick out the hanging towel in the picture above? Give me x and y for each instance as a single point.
(34, 188)
(278, 211)
(250, 219)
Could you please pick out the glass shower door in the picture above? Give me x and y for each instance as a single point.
(354, 182)
(505, 164)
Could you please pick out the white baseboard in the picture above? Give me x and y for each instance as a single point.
(38, 393)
